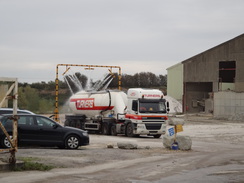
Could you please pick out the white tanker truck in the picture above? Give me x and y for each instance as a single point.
(140, 112)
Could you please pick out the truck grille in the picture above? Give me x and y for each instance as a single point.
(153, 126)
(153, 119)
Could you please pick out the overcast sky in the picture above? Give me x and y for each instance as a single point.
(138, 35)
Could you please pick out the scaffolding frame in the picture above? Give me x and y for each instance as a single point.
(89, 67)
(13, 141)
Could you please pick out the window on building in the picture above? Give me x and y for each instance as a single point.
(227, 71)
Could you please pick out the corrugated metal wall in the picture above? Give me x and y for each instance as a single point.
(191, 78)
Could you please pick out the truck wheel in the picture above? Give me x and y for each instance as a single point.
(72, 142)
(113, 130)
(78, 124)
(67, 123)
(157, 136)
(105, 130)
(129, 130)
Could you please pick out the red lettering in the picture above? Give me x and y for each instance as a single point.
(84, 103)
(88, 104)
(133, 94)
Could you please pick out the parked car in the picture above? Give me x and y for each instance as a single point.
(40, 130)
(10, 111)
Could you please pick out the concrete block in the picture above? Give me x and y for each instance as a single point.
(126, 145)
(184, 142)
(175, 121)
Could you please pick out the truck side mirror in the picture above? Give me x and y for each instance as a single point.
(134, 105)
(167, 104)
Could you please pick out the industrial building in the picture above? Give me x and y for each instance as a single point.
(212, 81)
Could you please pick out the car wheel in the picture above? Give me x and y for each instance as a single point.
(5, 142)
(72, 142)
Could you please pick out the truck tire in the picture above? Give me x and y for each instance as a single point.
(129, 130)
(78, 124)
(113, 130)
(67, 123)
(105, 129)
(157, 136)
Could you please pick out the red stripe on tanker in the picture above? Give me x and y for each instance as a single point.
(88, 104)
(100, 103)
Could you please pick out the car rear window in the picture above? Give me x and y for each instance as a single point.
(6, 122)
(23, 120)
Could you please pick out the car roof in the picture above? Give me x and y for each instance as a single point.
(10, 110)
(21, 114)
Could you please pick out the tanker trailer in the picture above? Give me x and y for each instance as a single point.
(96, 111)
(140, 112)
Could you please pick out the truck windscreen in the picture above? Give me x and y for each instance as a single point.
(152, 106)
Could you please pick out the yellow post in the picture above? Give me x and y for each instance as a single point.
(175, 133)
(119, 78)
(56, 113)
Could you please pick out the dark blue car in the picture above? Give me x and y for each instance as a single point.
(42, 131)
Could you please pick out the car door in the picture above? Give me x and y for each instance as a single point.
(27, 130)
(49, 132)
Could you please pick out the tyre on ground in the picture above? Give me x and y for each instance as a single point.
(129, 130)
(105, 129)
(157, 136)
(113, 130)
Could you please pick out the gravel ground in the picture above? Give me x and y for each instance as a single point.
(216, 156)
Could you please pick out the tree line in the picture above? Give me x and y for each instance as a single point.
(39, 97)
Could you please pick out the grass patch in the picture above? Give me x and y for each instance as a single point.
(31, 164)
(28, 159)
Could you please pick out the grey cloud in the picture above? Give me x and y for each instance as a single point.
(162, 32)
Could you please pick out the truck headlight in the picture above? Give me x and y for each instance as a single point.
(140, 126)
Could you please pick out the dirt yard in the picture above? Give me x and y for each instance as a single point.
(217, 156)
